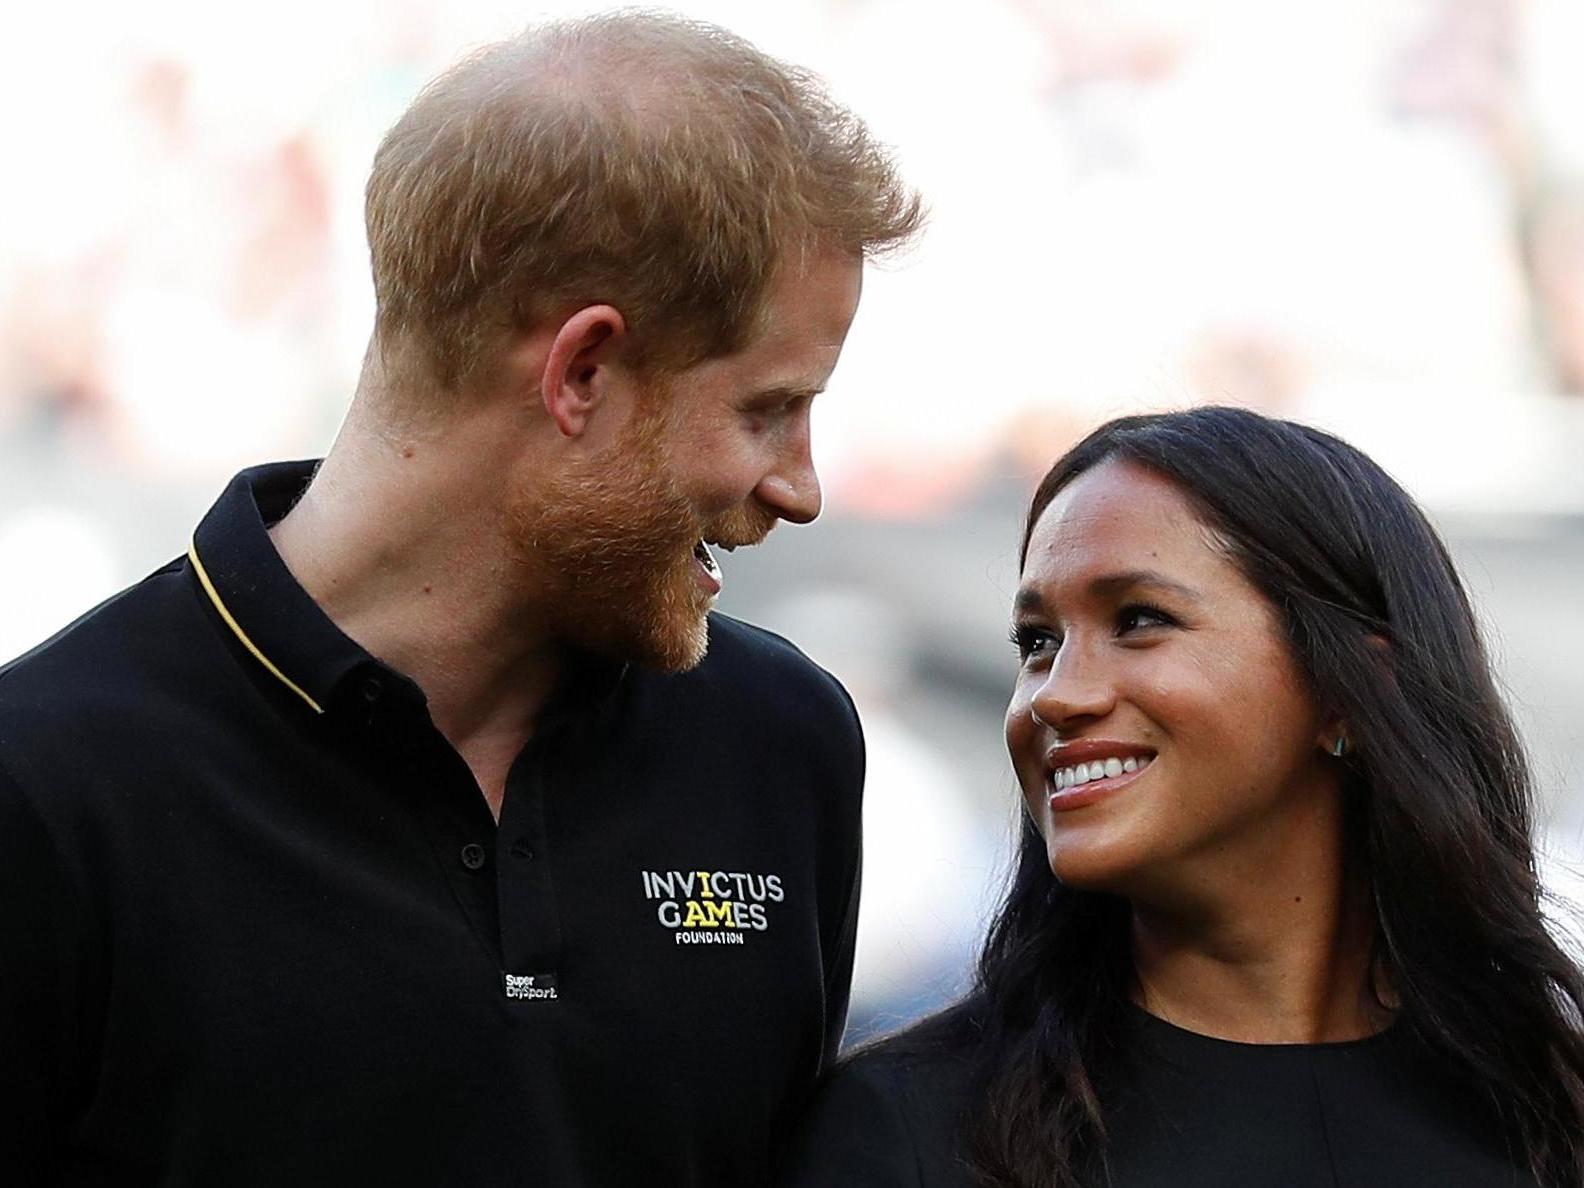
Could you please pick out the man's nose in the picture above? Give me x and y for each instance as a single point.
(792, 489)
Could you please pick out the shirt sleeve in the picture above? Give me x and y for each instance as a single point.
(37, 934)
(854, 1133)
(839, 964)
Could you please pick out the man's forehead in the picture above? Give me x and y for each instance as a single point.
(786, 373)
(779, 361)
(813, 304)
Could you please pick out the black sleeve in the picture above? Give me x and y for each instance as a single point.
(855, 1133)
(37, 934)
(838, 982)
(839, 964)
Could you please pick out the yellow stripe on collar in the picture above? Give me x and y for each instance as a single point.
(214, 597)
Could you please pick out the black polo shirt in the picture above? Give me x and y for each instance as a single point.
(258, 926)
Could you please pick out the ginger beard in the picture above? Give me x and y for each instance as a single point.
(613, 541)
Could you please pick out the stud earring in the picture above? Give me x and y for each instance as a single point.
(1339, 748)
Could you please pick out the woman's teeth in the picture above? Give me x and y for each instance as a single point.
(1083, 773)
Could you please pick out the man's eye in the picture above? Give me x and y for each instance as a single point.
(781, 405)
(1033, 641)
(1138, 616)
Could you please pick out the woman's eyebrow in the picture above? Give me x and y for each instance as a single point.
(1027, 601)
(1030, 601)
(1113, 584)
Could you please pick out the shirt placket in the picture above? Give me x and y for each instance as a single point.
(530, 915)
(451, 810)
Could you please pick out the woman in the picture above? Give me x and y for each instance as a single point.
(1275, 918)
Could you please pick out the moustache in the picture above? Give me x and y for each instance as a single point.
(741, 528)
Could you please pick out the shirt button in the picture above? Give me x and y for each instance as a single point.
(521, 849)
(372, 688)
(473, 856)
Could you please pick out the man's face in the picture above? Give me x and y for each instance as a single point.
(712, 456)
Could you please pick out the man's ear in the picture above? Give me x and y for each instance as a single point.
(577, 363)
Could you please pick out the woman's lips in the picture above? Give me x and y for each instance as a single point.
(1064, 793)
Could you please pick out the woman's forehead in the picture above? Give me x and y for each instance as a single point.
(1121, 529)
(1118, 508)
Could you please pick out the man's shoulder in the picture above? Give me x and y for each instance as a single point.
(751, 662)
(762, 700)
(751, 672)
(738, 641)
(106, 659)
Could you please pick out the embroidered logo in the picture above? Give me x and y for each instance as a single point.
(530, 986)
(719, 907)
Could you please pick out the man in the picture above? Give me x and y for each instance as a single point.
(420, 827)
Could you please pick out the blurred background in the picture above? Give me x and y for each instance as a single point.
(1365, 214)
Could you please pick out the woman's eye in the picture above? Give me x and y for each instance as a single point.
(1033, 641)
(1137, 616)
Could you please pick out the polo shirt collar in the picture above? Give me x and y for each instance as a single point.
(253, 592)
(275, 620)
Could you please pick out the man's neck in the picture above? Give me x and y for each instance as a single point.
(404, 549)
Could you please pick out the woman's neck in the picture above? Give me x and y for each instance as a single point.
(1282, 965)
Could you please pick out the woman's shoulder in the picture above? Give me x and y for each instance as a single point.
(925, 1070)
(889, 1114)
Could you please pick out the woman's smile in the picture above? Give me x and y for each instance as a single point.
(1089, 770)
(1158, 715)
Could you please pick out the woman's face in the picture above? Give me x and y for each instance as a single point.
(1162, 734)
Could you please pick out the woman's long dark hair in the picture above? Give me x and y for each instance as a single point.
(1441, 787)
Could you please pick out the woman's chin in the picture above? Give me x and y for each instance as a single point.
(1111, 869)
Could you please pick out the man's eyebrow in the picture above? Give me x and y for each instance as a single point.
(791, 391)
(1029, 601)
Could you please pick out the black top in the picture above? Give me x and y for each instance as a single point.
(258, 927)
(1191, 1112)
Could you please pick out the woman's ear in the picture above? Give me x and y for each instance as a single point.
(1334, 739)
